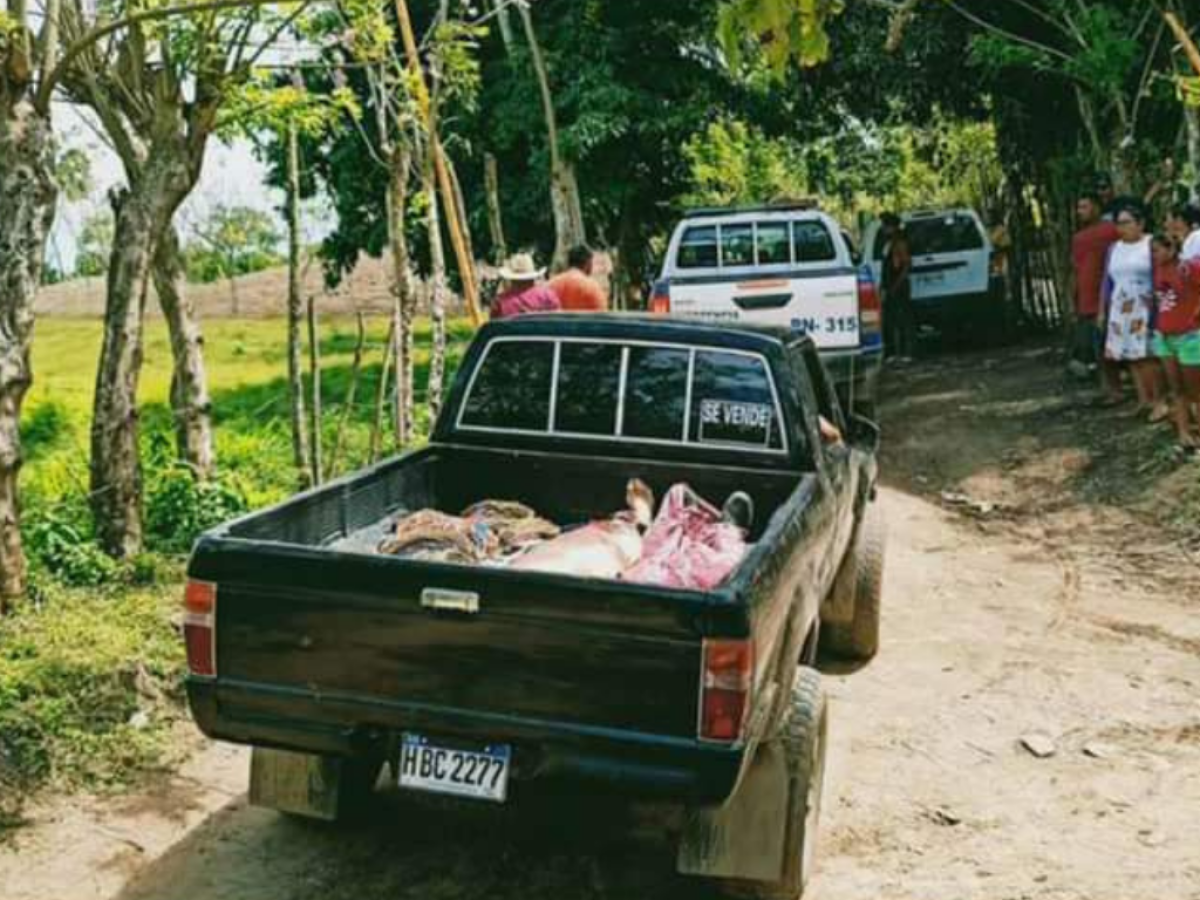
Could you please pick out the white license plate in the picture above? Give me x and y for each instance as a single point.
(477, 774)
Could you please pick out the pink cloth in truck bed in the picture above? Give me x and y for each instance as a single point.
(688, 546)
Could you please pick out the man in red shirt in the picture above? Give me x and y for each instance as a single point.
(1089, 255)
(522, 293)
(576, 289)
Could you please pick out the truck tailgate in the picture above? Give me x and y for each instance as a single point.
(539, 646)
(821, 304)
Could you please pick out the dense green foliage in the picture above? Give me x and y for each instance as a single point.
(89, 684)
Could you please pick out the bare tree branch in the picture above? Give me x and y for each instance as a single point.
(1006, 34)
(46, 88)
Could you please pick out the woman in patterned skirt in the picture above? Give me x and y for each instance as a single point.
(1129, 292)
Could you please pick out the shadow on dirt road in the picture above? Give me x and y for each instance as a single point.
(400, 847)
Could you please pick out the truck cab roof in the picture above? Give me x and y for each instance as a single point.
(646, 327)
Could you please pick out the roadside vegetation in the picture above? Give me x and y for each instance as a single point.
(91, 663)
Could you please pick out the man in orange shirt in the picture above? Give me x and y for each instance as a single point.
(576, 289)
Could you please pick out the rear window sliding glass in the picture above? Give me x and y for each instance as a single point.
(812, 243)
(511, 391)
(698, 248)
(589, 377)
(655, 393)
(737, 245)
(773, 240)
(731, 401)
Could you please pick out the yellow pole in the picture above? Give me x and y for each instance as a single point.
(1185, 39)
(466, 266)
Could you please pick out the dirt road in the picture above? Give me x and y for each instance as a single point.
(997, 626)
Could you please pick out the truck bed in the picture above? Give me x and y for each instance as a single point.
(350, 515)
(324, 645)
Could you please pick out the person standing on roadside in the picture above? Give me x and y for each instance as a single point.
(899, 324)
(1129, 295)
(522, 294)
(1089, 254)
(577, 290)
(1177, 335)
(1183, 224)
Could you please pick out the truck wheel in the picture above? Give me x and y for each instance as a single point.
(804, 741)
(858, 638)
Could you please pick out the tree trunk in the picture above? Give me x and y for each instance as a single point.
(437, 299)
(295, 317)
(564, 187)
(460, 203)
(314, 369)
(234, 306)
(1191, 116)
(403, 300)
(189, 381)
(505, 23)
(27, 198)
(381, 395)
(339, 441)
(491, 181)
(1087, 114)
(142, 212)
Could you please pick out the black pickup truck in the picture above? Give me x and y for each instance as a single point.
(332, 659)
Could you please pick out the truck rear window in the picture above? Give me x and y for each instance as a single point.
(766, 243)
(612, 390)
(952, 233)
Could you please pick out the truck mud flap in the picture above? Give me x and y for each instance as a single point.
(743, 839)
(298, 783)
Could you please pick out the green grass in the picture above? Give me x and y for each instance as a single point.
(97, 642)
(247, 370)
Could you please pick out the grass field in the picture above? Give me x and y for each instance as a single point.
(247, 370)
(91, 664)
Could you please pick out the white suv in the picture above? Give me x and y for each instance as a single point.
(953, 287)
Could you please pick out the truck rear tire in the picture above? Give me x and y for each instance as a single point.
(858, 638)
(804, 739)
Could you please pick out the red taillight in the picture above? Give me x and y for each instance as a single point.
(660, 301)
(727, 671)
(870, 310)
(200, 627)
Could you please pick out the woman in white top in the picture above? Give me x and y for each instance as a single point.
(1130, 298)
(1184, 226)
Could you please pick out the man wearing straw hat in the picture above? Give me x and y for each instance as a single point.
(522, 293)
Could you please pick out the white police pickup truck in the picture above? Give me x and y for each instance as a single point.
(789, 266)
